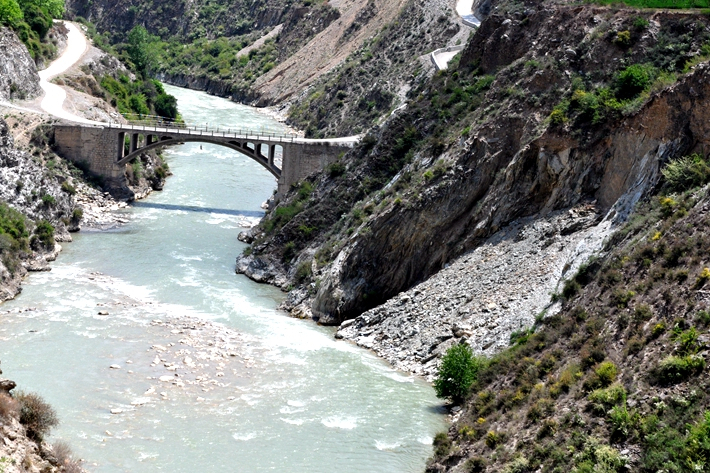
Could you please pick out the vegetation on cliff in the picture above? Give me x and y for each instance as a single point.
(31, 20)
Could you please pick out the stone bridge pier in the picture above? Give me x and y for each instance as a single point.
(102, 151)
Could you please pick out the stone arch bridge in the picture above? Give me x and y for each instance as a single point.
(105, 148)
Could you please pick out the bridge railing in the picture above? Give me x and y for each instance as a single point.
(158, 124)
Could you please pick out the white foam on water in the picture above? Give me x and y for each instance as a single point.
(86, 334)
(250, 399)
(339, 422)
(143, 456)
(293, 360)
(425, 440)
(296, 403)
(292, 421)
(291, 410)
(243, 437)
(181, 257)
(215, 221)
(386, 446)
(400, 378)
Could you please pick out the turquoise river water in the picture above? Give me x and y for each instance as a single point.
(208, 376)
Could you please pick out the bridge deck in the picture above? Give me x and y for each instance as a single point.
(175, 128)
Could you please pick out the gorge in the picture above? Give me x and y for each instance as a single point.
(541, 201)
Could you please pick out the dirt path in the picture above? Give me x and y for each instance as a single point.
(54, 95)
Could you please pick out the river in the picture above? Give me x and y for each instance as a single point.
(208, 376)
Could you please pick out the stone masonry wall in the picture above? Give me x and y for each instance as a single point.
(302, 160)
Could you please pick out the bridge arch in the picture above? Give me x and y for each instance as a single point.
(249, 148)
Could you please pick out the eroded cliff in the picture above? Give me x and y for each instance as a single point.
(479, 147)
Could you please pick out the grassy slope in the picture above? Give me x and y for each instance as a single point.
(619, 369)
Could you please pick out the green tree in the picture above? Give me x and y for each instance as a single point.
(10, 13)
(138, 48)
(458, 371)
(166, 106)
(55, 8)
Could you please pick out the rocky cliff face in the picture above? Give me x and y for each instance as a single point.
(18, 73)
(429, 186)
(39, 193)
(187, 19)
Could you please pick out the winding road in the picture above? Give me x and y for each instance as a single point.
(442, 56)
(54, 96)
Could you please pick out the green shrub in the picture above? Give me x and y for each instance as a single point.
(12, 223)
(623, 38)
(686, 173)
(640, 23)
(458, 371)
(289, 251)
(658, 330)
(703, 277)
(303, 272)
(687, 342)
(603, 399)
(620, 298)
(675, 369)
(442, 444)
(622, 422)
(518, 465)
(606, 371)
(697, 445)
(336, 169)
(77, 214)
(10, 13)
(493, 439)
(548, 429)
(48, 200)
(642, 313)
(43, 235)
(703, 317)
(475, 465)
(559, 114)
(598, 458)
(633, 80)
(68, 188)
(571, 288)
(36, 415)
